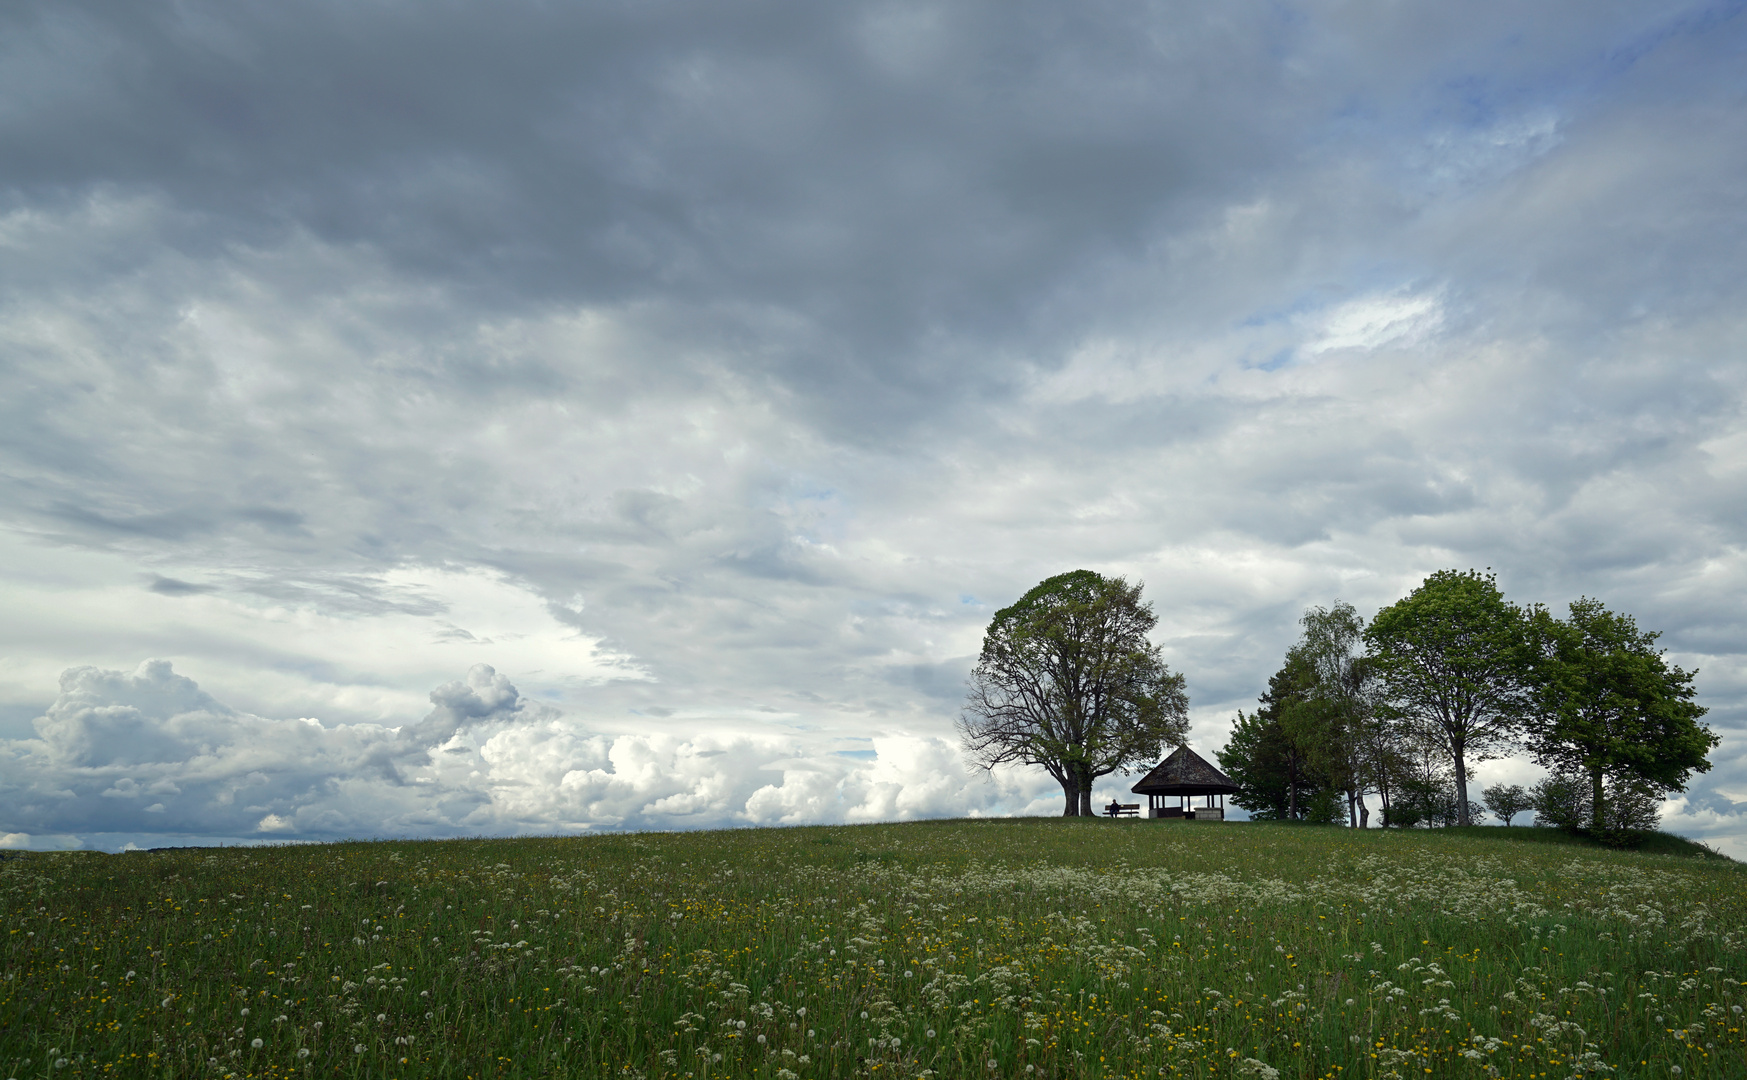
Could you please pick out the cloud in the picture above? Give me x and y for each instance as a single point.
(484, 760)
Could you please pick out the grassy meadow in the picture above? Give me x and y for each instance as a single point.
(1033, 948)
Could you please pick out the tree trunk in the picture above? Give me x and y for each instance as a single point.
(1364, 812)
(1086, 792)
(1071, 792)
(1352, 809)
(1461, 786)
(1595, 797)
(1291, 787)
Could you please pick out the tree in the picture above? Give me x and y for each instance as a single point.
(1265, 767)
(1330, 723)
(1565, 800)
(1507, 801)
(1450, 659)
(1609, 707)
(1067, 680)
(1266, 760)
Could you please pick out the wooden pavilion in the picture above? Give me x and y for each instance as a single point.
(1183, 776)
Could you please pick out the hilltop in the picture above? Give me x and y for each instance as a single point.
(1034, 947)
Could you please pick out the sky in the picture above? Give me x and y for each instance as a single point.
(520, 418)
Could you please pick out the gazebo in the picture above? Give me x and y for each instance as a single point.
(1182, 776)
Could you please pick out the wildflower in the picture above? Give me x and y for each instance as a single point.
(993, 1064)
(931, 1033)
(802, 1011)
(864, 1015)
(303, 1052)
(381, 1018)
(358, 1049)
(256, 1044)
(245, 1012)
(761, 1040)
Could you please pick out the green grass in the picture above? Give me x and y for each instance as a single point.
(1034, 947)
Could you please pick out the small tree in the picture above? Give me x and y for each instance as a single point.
(1564, 799)
(1450, 658)
(1561, 801)
(1507, 801)
(1068, 680)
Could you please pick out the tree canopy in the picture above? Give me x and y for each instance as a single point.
(1450, 659)
(1068, 680)
(1608, 706)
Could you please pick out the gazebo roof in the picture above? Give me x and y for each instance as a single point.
(1185, 773)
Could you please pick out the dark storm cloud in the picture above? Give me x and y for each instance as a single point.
(878, 175)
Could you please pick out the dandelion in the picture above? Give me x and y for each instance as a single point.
(864, 1015)
(303, 1052)
(931, 1033)
(381, 1018)
(761, 1040)
(256, 1044)
(993, 1064)
(245, 1012)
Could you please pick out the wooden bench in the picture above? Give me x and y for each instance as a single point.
(1117, 809)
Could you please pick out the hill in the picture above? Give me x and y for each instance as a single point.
(1035, 947)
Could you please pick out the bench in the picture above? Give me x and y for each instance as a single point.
(1117, 809)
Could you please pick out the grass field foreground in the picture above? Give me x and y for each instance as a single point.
(1039, 947)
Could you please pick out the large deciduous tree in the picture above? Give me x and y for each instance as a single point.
(1607, 706)
(1451, 662)
(1068, 680)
